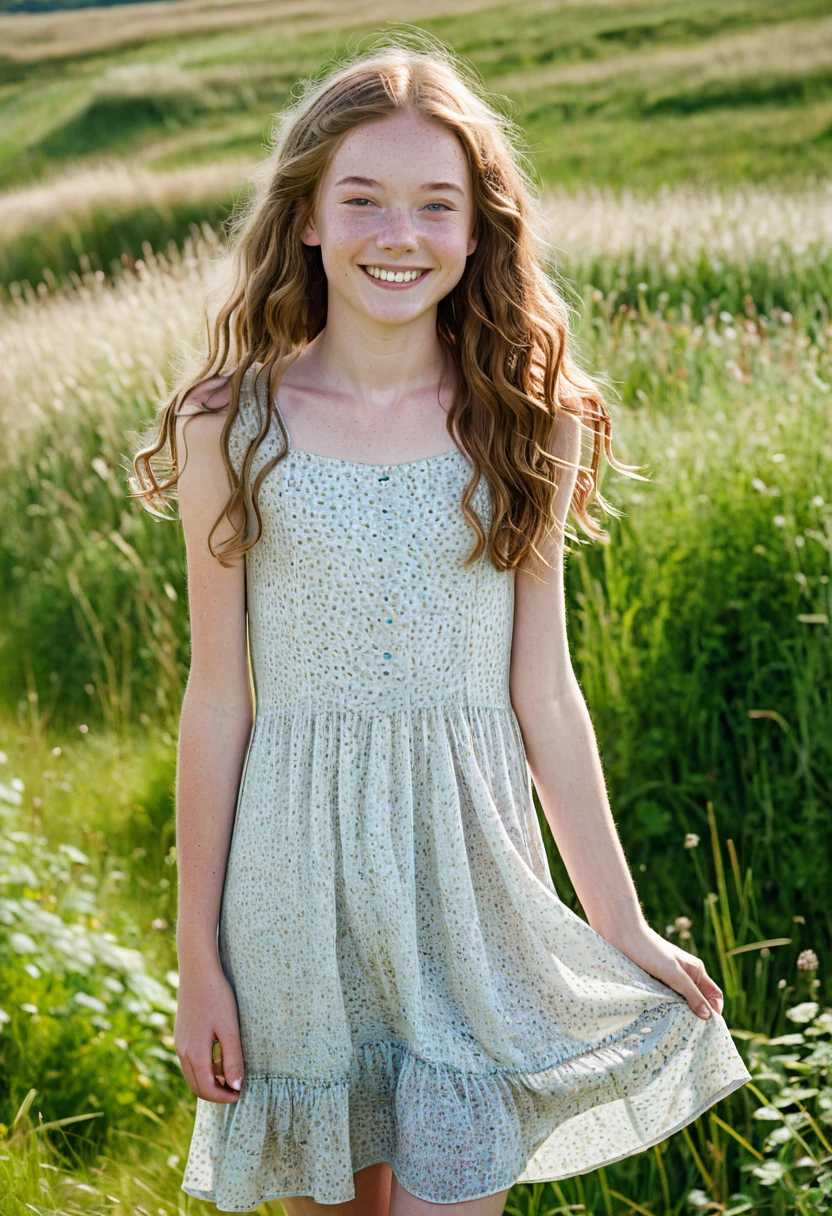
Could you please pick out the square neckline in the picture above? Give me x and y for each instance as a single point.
(366, 464)
(361, 464)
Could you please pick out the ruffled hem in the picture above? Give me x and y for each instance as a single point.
(452, 1135)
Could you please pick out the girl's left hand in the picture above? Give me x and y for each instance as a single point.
(681, 971)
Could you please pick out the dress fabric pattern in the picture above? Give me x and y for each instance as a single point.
(410, 986)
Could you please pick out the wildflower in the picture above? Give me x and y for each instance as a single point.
(804, 1012)
(691, 840)
(807, 960)
(683, 924)
(159, 923)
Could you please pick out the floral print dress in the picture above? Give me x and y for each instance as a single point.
(410, 986)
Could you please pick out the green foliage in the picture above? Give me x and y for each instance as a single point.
(82, 1021)
(791, 1075)
(92, 616)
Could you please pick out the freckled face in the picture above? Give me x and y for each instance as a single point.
(395, 199)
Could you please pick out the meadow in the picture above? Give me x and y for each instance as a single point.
(684, 161)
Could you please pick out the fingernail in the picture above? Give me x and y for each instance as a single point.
(235, 1084)
(705, 1011)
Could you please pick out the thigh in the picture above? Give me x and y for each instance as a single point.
(402, 1203)
(372, 1197)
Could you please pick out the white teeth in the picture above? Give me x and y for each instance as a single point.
(393, 276)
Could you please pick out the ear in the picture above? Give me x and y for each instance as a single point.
(473, 240)
(309, 232)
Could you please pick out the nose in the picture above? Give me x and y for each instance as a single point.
(398, 232)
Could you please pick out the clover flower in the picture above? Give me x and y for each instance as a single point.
(807, 960)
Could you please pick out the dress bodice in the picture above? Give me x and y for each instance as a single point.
(356, 592)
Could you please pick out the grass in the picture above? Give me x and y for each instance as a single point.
(632, 96)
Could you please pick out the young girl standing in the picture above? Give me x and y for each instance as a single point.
(384, 1005)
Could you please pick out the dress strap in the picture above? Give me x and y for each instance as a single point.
(258, 387)
(279, 413)
(260, 383)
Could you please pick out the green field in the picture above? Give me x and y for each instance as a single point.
(684, 152)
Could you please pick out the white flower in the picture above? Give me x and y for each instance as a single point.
(804, 1012)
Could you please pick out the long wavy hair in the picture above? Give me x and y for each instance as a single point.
(504, 325)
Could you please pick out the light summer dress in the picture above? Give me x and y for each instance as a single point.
(410, 986)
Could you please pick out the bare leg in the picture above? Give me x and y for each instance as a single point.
(402, 1203)
(372, 1197)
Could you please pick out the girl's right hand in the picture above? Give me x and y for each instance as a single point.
(207, 1010)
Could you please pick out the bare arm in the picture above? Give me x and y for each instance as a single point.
(566, 766)
(215, 726)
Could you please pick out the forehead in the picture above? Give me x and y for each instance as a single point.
(404, 148)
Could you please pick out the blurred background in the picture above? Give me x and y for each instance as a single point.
(685, 152)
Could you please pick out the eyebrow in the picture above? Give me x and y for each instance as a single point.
(354, 180)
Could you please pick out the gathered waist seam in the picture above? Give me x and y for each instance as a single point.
(297, 708)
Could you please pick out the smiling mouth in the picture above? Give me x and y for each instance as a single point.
(394, 278)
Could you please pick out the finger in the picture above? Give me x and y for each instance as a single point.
(712, 993)
(688, 988)
(188, 1073)
(232, 1056)
(217, 1064)
(208, 1087)
(708, 990)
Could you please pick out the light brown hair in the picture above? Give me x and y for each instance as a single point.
(505, 323)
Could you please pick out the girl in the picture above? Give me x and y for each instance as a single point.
(384, 1005)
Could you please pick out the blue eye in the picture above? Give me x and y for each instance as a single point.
(370, 201)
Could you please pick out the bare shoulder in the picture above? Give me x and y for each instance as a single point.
(200, 419)
(209, 396)
(567, 443)
(203, 482)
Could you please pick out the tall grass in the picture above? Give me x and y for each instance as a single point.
(627, 95)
